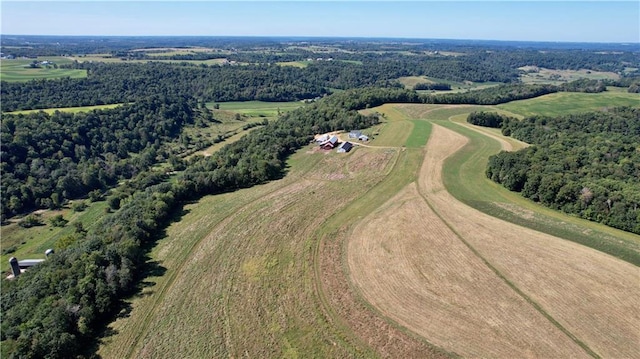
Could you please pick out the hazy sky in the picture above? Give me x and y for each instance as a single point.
(582, 21)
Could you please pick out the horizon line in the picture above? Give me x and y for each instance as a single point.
(332, 37)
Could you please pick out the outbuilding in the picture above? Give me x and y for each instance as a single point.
(345, 147)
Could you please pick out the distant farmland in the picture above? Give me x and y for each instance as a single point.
(18, 70)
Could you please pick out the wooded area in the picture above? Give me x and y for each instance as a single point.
(586, 164)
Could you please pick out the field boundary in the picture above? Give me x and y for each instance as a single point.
(511, 285)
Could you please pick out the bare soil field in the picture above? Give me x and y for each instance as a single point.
(553, 298)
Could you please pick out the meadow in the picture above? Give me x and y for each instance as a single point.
(256, 108)
(17, 70)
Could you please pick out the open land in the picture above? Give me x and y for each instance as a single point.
(374, 253)
(18, 70)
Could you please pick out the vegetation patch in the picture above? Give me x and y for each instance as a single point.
(534, 74)
(67, 109)
(256, 108)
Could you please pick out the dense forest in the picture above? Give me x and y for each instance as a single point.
(48, 159)
(586, 164)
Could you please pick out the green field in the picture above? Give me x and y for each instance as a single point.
(419, 135)
(257, 108)
(17, 70)
(410, 81)
(299, 64)
(68, 109)
(570, 102)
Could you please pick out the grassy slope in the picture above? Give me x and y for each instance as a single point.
(200, 222)
(570, 102)
(258, 294)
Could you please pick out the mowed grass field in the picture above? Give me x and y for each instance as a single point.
(377, 253)
(17, 70)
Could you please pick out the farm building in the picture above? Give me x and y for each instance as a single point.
(355, 134)
(363, 138)
(18, 267)
(345, 147)
(322, 138)
(330, 143)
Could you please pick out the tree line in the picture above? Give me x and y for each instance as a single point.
(584, 164)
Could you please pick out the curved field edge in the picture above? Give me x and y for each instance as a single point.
(563, 281)
(423, 276)
(464, 179)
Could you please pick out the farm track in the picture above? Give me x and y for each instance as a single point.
(555, 326)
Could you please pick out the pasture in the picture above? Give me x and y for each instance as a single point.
(24, 243)
(18, 70)
(410, 81)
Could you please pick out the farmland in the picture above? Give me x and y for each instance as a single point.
(18, 70)
(288, 276)
(194, 216)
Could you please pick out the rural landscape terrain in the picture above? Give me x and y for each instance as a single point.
(488, 205)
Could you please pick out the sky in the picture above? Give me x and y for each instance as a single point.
(568, 21)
